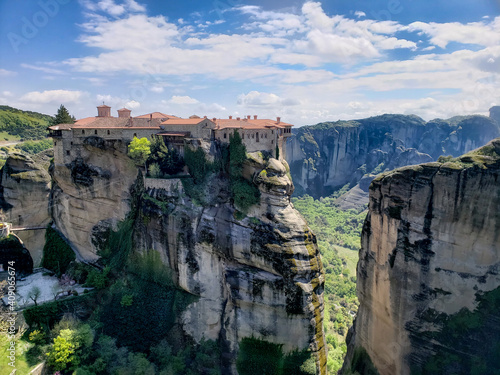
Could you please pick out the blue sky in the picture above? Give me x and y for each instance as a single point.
(306, 61)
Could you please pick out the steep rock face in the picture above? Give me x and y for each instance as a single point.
(257, 277)
(329, 155)
(430, 250)
(24, 196)
(91, 194)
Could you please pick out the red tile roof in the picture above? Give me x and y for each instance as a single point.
(249, 124)
(183, 121)
(155, 115)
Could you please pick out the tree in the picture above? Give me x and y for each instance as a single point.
(63, 116)
(35, 293)
(139, 150)
(62, 353)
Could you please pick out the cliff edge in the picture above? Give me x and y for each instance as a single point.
(427, 277)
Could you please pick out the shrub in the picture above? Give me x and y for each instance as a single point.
(197, 163)
(154, 170)
(168, 160)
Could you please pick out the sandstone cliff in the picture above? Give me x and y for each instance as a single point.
(258, 276)
(24, 198)
(91, 194)
(327, 156)
(427, 275)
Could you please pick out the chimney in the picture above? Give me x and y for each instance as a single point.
(204, 116)
(103, 111)
(124, 113)
(214, 119)
(245, 119)
(278, 120)
(248, 117)
(255, 117)
(237, 118)
(150, 117)
(230, 117)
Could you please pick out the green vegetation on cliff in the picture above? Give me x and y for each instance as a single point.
(467, 342)
(57, 254)
(262, 357)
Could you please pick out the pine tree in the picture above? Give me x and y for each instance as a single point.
(63, 116)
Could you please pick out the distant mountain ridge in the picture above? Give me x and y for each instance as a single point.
(24, 124)
(327, 156)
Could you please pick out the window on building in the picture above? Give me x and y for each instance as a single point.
(135, 135)
(71, 143)
(242, 135)
(257, 137)
(272, 141)
(272, 131)
(55, 143)
(109, 132)
(67, 152)
(83, 131)
(95, 131)
(266, 135)
(225, 135)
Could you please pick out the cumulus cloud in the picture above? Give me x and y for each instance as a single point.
(183, 100)
(359, 14)
(52, 96)
(132, 104)
(441, 34)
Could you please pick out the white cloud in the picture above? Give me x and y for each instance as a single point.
(157, 89)
(43, 69)
(112, 8)
(132, 104)
(52, 96)
(7, 94)
(183, 100)
(264, 99)
(479, 33)
(359, 14)
(7, 73)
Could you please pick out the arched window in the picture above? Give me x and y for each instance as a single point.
(109, 132)
(95, 132)
(83, 131)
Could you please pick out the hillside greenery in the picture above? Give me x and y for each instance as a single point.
(338, 233)
(23, 125)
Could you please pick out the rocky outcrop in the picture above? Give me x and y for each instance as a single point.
(428, 265)
(24, 198)
(258, 276)
(327, 156)
(255, 275)
(91, 194)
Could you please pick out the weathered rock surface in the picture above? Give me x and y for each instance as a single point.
(91, 194)
(327, 156)
(24, 198)
(256, 277)
(430, 249)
